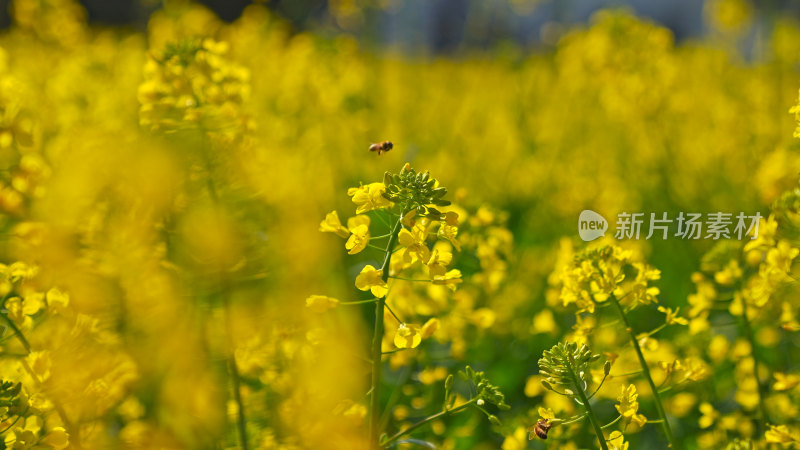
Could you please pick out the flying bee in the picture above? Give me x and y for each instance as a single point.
(540, 429)
(382, 147)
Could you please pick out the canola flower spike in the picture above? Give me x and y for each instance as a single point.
(565, 370)
(411, 199)
(191, 84)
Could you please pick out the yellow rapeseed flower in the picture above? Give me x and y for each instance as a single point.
(332, 224)
(628, 405)
(616, 441)
(782, 434)
(449, 279)
(672, 316)
(407, 336)
(370, 279)
(430, 327)
(369, 197)
(321, 303)
(785, 381)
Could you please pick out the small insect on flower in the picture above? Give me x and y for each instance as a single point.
(540, 429)
(382, 147)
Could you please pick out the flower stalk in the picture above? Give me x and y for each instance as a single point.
(429, 419)
(241, 418)
(646, 372)
(377, 338)
(598, 430)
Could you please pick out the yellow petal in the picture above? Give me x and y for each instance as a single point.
(332, 224)
(407, 336)
(321, 303)
(357, 221)
(430, 327)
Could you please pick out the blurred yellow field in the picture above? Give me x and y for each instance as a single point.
(244, 235)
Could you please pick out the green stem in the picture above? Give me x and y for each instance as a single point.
(395, 395)
(17, 332)
(390, 352)
(241, 418)
(626, 374)
(748, 330)
(656, 330)
(592, 418)
(359, 302)
(646, 371)
(612, 422)
(597, 389)
(377, 338)
(572, 420)
(429, 419)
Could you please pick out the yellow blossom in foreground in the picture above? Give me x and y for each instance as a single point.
(546, 413)
(332, 224)
(788, 320)
(781, 434)
(56, 300)
(616, 441)
(57, 438)
(414, 242)
(784, 381)
(709, 415)
(450, 279)
(369, 197)
(780, 258)
(450, 232)
(358, 227)
(672, 316)
(533, 386)
(517, 441)
(407, 336)
(40, 364)
(628, 405)
(438, 262)
(430, 327)
(321, 303)
(20, 309)
(370, 279)
(544, 322)
(358, 240)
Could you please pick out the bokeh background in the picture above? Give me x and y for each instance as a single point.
(182, 247)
